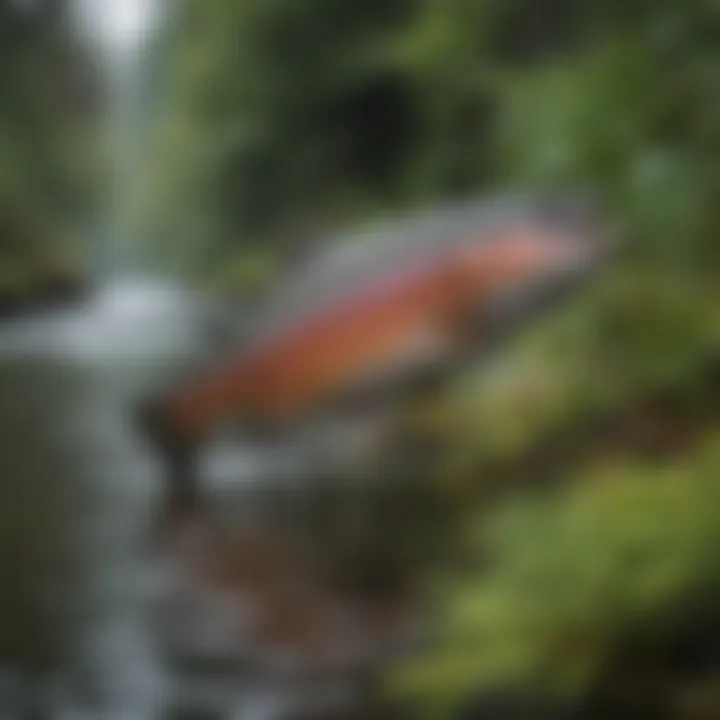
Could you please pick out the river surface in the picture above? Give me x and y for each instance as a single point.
(78, 491)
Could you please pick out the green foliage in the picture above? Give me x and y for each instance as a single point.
(638, 330)
(636, 122)
(282, 121)
(620, 555)
(633, 112)
(47, 144)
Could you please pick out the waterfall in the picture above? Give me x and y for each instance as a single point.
(119, 33)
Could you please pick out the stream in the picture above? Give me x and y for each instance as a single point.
(77, 497)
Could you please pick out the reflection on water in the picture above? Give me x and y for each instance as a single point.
(76, 493)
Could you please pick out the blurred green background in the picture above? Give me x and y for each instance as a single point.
(50, 158)
(585, 457)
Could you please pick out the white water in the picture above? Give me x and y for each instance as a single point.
(120, 33)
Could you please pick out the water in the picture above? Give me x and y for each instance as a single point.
(78, 490)
(77, 487)
(86, 603)
(119, 33)
(80, 493)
